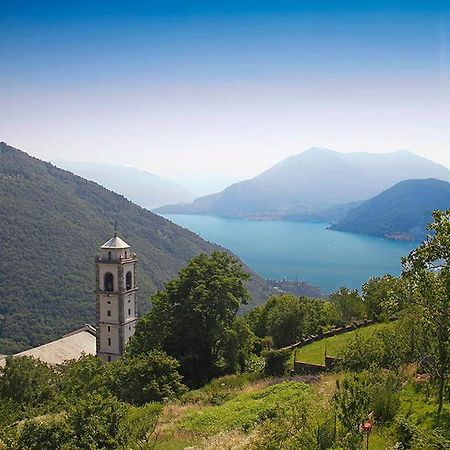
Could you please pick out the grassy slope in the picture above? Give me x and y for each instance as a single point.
(200, 424)
(315, 352)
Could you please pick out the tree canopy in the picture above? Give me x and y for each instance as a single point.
(194, 318)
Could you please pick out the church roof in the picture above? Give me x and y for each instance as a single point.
(70, 346)
(115, 242)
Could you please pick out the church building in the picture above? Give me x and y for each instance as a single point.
(116, 306)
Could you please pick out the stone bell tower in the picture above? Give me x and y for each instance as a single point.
(116, 307)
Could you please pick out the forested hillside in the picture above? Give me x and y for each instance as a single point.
(51, 225)
(401, 212)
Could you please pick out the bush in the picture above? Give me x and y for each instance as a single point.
(144, 378)
(44, 434)
(95, 422)
(276, 362)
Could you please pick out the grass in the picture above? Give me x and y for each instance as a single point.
(315, 353)
(245, 411)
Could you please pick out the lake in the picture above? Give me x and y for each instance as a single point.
(307, 251)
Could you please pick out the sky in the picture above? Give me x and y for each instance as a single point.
(231, 87)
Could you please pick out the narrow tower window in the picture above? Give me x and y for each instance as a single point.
(109, 255)
(129, 280)
(109, 282)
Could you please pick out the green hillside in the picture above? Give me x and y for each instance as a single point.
(400, 212)
(51, 226)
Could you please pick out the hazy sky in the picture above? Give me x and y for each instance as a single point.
(178, 87)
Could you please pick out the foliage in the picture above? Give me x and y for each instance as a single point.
(428, 266)
(26, 381)
(194, 318)
(144, 378)
(349, 305)
(286, 318)
(387, 348)
(95, 422)
(367, 393)
(46, 433)
(139, 424)
(82, 377)
(385, 297)
(41, 280)
(276, 362)
(295, 426)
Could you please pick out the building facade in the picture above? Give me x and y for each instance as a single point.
(116, 306)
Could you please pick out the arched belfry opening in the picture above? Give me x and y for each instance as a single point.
(129, 280)
(108, 282)
(116, 290)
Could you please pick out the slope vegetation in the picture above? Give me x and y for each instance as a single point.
(51, 225)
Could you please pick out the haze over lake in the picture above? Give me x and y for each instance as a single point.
(278, 249)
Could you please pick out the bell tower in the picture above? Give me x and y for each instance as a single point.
(116, 307)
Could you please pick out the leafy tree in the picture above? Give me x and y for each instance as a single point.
(95, 423)
(81, 377)
(192, 317)
(349, 304)
(285, 319)
(27, 381)
(380, 299)
(147, 377)
(428, 266)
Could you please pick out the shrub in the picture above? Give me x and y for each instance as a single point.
(44, 434)
(276, 362)
(144, 378)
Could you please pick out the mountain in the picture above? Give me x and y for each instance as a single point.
(318, 179)
(143, 188)
(51, 226)
(400, 212)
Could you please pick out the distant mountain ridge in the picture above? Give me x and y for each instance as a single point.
(143, 188)
(51, 226)
(307, 184)
(400, 212)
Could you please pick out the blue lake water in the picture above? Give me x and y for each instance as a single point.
(307, 251)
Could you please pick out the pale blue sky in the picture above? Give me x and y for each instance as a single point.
(178, 87)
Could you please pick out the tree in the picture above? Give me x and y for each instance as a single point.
(349, 304)
(96, 422)
(147, 377)
(83, 376)
(192, 317)
(27, 381)
(428, 266)
(385, 297)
